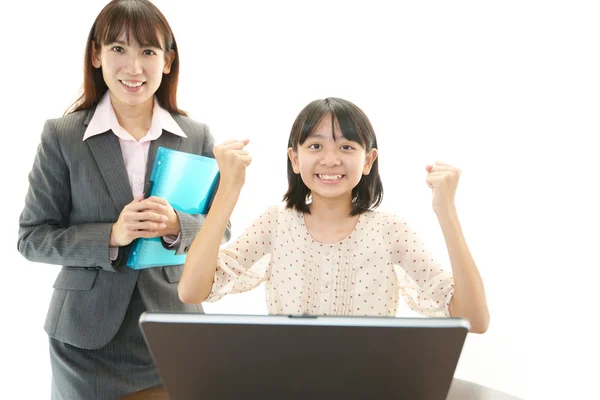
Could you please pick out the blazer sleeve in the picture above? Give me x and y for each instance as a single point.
(192, 223)
(45, 233)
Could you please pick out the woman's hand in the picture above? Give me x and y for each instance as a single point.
(139, 219)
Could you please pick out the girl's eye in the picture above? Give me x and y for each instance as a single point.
(347, 147)
(149, 53)
(314, 146)
(118, 49)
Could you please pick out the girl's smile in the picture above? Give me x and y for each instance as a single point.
(329, 179)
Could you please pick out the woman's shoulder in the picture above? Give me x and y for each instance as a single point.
(67, 125)
(189, 125)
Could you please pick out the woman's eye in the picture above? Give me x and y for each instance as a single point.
(347, 147)
(149, 53)
(118, 49)
(314, 146)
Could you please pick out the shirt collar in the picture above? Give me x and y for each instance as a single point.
(105, 119)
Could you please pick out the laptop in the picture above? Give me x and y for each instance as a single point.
(207, 356)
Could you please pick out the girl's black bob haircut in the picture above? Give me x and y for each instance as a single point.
(355, 126)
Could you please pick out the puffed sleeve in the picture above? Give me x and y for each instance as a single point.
(246, 263)
(426, 287)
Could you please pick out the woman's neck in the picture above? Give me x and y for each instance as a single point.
(136, 120)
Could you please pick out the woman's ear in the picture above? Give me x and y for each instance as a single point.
(169, 58)
(369, 160)
(96, 60)
(293, 156)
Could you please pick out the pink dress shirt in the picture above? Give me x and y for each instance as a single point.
(135, 153)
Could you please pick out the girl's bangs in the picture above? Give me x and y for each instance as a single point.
(348, 125)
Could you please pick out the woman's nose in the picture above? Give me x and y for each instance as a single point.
(133, 66)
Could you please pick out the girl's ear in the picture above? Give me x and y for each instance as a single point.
(369, 160)
(293, 155)
(96, 60)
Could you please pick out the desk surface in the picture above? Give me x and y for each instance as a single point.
(460, 390)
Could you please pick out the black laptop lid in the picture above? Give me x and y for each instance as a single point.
(277, 357)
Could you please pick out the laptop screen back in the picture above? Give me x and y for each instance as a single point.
(277, 357)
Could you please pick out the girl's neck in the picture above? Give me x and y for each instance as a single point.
(330, 221)
(330, 210)
(137, 119)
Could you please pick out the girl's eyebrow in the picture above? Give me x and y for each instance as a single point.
(325, 136)
(328, 136)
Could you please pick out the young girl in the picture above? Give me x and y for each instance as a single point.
(326, 252)
(85, 204)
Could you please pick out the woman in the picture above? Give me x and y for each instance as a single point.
(85, 204)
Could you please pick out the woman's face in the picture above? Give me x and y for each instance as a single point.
(331, 168)
(132, 72)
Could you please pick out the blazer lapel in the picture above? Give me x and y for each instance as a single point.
(167, 140)
(107, 153)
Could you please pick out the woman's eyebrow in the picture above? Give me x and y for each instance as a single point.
(119, 42)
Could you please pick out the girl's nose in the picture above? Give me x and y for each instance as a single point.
(330, 158)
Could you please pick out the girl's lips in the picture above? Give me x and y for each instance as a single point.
(330, 181)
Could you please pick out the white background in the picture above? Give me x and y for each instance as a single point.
(508, 91)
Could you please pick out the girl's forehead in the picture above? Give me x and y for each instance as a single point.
(328, 126)
(326, 134)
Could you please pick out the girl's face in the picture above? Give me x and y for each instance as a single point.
(331, 168)
(132, 73)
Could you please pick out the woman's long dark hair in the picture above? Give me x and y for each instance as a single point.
(149, 27)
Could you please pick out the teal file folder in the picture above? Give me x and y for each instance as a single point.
(188, 182)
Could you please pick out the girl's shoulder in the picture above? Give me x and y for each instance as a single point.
(282, 212)
(383, 220)
(279, 214)
(377, 216)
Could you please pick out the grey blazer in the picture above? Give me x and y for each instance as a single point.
(76, 192)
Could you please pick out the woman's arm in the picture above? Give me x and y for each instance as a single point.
(46, 234)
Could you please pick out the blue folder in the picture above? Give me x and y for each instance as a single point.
(188, 182)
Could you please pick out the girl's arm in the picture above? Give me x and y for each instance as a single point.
(469, 300)
(201, 261)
